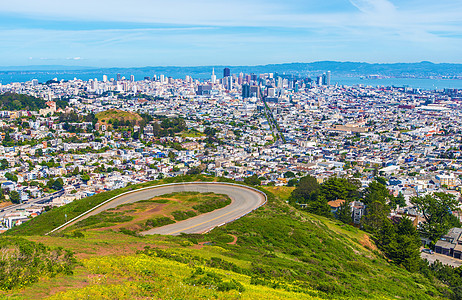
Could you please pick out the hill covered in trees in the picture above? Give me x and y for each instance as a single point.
(14, 102)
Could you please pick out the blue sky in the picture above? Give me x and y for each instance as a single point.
(116, 33)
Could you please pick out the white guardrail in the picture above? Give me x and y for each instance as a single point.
(163, 185)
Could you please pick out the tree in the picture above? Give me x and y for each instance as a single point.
(381, 180)
(76, 171)
(400, 243)
(38, 152)
(344, 213)
(398, 201)
(58, 184)
(11, 177)
(340, 188)
(292, 182)
(316, 204)
(194, 171)
(437, 211)
(7, 138)
(289, 174)
(376, 191)
(171, 155)
(376, 217)
(4, 164)
(85, 177)
(14, 197)
(252, 180)
(306, 186)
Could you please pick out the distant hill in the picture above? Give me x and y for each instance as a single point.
(123, 117)
(12, 102)
(421, 69)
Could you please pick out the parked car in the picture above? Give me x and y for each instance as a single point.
(429, 251)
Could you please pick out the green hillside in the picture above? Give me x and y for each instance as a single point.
(276, 252)
(117, 118)
(12, 102)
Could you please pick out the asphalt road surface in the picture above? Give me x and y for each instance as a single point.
(14, 207)
(444, 259)
(243, 201)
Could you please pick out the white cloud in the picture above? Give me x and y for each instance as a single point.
(374, 6)
(237, 25)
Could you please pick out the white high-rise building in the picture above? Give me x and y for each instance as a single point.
(104, 78)
(214, 77)
(132, 78)
(162, 78)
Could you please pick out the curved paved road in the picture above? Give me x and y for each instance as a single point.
(243, 201)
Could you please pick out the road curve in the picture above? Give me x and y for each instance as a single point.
(243, 200)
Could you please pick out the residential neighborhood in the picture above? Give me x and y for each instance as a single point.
(99, 135)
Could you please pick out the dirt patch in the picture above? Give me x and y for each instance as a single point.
(5, 204)
(156, 209)
(234, 239)
(126, 249)
(200, 245)
(367, 243)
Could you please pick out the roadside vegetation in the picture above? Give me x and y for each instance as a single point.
(57, 216)
(23, 262)
(275, 252)
(150, 213)
(399, 241)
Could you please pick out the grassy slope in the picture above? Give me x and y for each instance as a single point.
(120, 115)
(285, 253)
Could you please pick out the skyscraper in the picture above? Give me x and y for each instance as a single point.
(118, 77)
(132, 78)
(229, 82)
(226, 72)
(214, 77)
(326, 78)
(245, 91)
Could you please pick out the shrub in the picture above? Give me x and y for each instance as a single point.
(183, 215)
(23, 262)
(158, 222)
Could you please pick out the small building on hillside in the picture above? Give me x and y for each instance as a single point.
(450, 244)
(335, 205)
(358, 210)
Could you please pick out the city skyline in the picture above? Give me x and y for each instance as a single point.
(142, 33)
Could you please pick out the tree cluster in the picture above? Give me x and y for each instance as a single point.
(399, 241)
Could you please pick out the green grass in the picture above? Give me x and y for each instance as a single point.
(191, 133)
(157, 222)
(103, 219)
(281, 253)
(120, 115)
(217, 201)
(183, 215)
